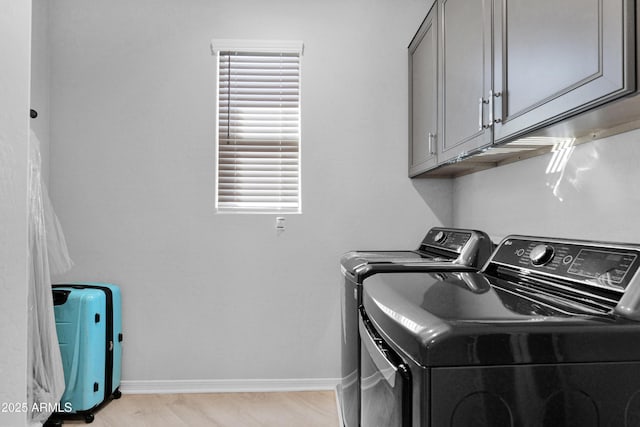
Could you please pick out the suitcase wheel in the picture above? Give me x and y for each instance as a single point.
(117, 394)
(89, 418)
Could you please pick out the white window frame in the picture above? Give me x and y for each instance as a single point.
(255, 46)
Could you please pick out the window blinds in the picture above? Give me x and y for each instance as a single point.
(258, 131)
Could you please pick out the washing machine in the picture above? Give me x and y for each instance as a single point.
(547, 334)
(441, 250)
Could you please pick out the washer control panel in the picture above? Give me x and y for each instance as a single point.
(605, 265)
(451, 240)
(541, 254)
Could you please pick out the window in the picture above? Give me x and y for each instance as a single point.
(258, 126)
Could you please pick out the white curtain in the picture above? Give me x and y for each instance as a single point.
(47, 253)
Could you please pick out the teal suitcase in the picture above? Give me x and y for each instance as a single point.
(89, 326)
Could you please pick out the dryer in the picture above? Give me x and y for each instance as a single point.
(442, 249)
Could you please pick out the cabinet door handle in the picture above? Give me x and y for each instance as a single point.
(497, 119)
(431, 137)
(490, 109)
(481, 102)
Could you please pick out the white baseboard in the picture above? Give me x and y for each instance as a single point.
(226, 386)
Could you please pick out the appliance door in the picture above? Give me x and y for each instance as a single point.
(355, 266)
(385, 381)
(349, 390)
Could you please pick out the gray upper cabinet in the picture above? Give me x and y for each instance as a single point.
(423, 95)
(507, 69)
(464, 53)
(554, 58)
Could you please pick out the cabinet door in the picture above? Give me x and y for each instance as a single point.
(465, 69)
(555, 58)
(423, 96)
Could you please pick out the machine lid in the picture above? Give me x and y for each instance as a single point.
(461, 319)
(355, 259)
(444, 245)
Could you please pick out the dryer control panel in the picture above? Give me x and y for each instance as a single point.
(461, 246)
(452, 240)
(605, 265)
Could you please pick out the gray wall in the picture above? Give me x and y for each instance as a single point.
(40, 82)
(595, 197)
(15, 21)
(210, 296)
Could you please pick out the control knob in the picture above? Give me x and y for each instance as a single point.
(440, 237)
(541, 254)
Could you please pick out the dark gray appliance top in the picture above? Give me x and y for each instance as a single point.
(441, 247)
(537, 300)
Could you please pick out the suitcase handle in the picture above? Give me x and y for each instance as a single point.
(60, 297)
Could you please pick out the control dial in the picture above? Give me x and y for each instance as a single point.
(541, 254)
(440, 237)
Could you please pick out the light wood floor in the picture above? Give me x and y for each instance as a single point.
(287, 409)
